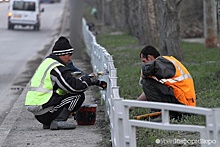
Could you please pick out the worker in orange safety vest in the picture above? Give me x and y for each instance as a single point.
(165, 79)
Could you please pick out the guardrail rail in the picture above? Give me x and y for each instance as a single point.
(123, 128)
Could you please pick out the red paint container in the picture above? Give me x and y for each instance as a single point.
(86, 115)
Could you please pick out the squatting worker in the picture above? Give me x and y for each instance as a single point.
(165, 79)
(54, 93)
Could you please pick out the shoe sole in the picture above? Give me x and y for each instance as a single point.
(54, 126)
(46, 127)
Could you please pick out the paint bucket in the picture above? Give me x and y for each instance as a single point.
(86, 115)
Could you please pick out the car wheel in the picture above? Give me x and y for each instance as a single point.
(36, 27)
(10, 26)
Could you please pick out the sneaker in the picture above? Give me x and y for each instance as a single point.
(157, 119)
(46, 126)
(57, 125)
(177, 116)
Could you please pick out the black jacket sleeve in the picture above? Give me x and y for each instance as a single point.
(161, 68)
(62, 78)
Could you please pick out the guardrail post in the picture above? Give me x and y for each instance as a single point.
(216, 128)
(118, 138)
(126, 126)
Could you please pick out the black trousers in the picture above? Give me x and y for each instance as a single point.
(158, 92)
(69, 101)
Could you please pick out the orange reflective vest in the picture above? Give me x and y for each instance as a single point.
(182, 83)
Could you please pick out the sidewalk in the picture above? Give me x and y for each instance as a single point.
(21, 129)
(194, 40)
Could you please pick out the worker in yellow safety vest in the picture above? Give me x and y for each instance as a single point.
(54, 93)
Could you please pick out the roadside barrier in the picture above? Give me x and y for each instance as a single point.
(123, 128)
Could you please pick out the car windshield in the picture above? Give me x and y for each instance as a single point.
(27, 6)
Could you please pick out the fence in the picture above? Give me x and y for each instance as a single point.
(123, 128)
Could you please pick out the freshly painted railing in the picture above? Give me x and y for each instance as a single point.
(123, 128)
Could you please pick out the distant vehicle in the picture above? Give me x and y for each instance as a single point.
(24, 13)
(49, 1)
(4, 0)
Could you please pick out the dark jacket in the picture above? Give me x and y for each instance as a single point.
(170, 72)
(62, 78)
(161, 68)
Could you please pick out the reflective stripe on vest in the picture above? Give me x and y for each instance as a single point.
(183, 76)
(182, 83)
(41, 88)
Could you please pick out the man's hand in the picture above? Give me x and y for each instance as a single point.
(103, 84)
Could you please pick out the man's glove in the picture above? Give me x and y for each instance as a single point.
(101, 84)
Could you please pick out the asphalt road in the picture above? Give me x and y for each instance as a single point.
(20, 129)
(20, 48)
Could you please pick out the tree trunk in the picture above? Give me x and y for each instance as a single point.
(76, 37)
(218, 26)
(169, 28)
(138, 17)
(152, 22)
(147, 33)
(210, 23)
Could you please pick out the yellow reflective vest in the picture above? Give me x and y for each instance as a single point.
(41, 88)
(182, 83)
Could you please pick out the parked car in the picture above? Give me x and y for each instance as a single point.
(24, 13)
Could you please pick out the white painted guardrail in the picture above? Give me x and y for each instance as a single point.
(123, 128)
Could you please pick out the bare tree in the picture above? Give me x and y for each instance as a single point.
(169, 28)
(140, 19)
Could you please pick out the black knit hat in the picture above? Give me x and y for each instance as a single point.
(62, 47)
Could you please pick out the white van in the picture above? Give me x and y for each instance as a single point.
(24, 13)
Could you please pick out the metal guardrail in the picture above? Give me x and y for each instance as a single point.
(123, 128)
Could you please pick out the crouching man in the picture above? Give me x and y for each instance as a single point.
(54, 93)
(166, 80)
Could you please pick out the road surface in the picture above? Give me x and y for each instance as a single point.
(21, 47)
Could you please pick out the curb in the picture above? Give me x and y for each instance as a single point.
(16, 109)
